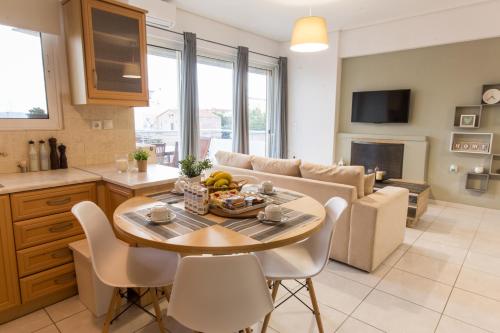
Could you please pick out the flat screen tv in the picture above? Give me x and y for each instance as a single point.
(388, 106)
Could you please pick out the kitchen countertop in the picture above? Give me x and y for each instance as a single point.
(157, 175)
(19, 182)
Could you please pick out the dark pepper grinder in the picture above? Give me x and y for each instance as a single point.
(54, 158)
(63, 164)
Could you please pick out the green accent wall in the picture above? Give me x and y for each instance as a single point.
(440, 77)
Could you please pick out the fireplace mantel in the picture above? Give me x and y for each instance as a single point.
(415, 151)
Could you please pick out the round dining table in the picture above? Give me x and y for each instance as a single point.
(211, 234)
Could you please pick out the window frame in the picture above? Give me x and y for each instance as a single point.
(50, 44)
(269, 100)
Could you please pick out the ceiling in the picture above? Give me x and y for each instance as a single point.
(274, 18)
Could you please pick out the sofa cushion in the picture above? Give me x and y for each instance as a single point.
(347, 175)
(236, 160)
(284, 167)
(369, 183)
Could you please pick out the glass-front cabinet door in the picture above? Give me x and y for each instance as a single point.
(115, 52)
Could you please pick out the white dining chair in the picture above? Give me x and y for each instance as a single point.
(219, 294)
(119, 265)
(302, 260)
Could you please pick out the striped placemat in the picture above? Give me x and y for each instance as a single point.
(184, 223)
(279, 197)
(168, 197)
(257, 230)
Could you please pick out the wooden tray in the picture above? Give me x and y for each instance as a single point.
(244, 215)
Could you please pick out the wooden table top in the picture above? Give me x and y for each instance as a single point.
(216, 239)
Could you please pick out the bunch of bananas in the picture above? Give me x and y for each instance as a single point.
(221, 180)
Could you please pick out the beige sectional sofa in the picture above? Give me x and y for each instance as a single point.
(374, 224)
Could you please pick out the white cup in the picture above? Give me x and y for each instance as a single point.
(479, 169)
(267, 186)
(273, 213)
(179, 186)
(160, 213)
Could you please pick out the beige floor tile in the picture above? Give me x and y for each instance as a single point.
(456, 209)
(439, 251)
(483, 263)
(411, 235)
(393, 314)
(351, 273)
(428, 267)
(85, 322)
(452, 224)
(474, 309)
(479, 282)
(451, 325)
(486, 245)
(27, 324)
(293, 317)
(352, 325)
(394, 257)
(457, 239)
(65, 308)
(422, 291)
(338, 292)
(48, 329)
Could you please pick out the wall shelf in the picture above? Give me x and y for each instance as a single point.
(471, 143)
(477, 182)
(475, 110)
(495, 165)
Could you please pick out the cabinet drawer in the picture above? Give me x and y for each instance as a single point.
(42, 257)
(48, 282)
(27, 205)
(45, 229)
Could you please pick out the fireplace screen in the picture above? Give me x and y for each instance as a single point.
(386, 156)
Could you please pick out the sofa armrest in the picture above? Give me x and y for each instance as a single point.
(378, 224)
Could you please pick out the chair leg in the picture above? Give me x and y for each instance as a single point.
(314, 301)
(276, 285)
(111, 310)
(156, 305)
(167, 290)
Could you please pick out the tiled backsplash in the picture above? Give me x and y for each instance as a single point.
(84, 145)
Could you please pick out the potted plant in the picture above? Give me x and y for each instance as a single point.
(192, 169)
(141, 156)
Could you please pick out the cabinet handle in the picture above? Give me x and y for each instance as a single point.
(95, 77)
(61, 226)
(65, 278)
(60, 254)
(58, 202)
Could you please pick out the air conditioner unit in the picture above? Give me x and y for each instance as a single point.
(160, 12)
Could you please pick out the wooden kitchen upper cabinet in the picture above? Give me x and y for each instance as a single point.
(106, 50)
(9, 285)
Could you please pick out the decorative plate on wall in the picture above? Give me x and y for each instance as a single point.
(491, 96)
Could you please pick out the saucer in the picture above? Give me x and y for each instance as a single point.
(172, 217)
(273, 192)
(283, 219)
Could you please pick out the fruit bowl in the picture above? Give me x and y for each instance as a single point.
(222, 181)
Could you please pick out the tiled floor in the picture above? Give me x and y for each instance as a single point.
(444, 278)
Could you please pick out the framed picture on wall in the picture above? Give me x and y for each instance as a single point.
(468, 120)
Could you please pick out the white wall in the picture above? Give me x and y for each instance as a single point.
(312, 86)
(457, 25)
(38, 15)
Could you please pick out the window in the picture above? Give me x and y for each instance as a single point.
(215, 98)
(27, 84)
(258, 86)
(159, 123)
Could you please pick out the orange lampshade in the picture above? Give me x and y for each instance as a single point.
(309, 34)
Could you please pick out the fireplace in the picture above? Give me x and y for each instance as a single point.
(386, 156)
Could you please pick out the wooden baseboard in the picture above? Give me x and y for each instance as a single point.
(23, 309)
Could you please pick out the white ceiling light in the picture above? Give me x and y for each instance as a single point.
(309, 35)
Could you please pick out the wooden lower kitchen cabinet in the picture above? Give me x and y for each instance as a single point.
(9, 285)
(36, 264)
(110, 196)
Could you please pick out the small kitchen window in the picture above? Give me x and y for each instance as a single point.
(28, 90)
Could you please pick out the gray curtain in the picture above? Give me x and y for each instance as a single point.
(279, 117)
(240, 113)
(190, 127)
